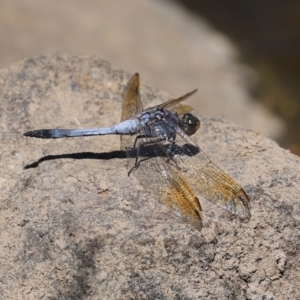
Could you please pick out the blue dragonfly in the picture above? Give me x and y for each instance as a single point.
(164, 158)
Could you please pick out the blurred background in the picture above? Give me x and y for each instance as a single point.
(243, 56)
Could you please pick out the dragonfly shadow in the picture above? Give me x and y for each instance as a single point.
(82, 155)
(188, 150)
(148, 151)
(162, 150)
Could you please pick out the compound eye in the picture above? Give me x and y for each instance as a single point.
(189, 124)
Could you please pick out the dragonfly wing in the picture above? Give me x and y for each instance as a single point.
(131, 104)
(181, 109)
(160, 179)
(206, 178)
(174, 102)
(148, 163)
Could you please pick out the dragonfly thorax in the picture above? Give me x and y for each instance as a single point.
(158, 122)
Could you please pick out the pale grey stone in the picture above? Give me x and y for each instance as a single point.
(73, 225)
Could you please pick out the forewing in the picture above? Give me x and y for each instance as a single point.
(162, 180)
(207, 179)
(175, 105)
(181, 109)
(131, 104)
(170, 104)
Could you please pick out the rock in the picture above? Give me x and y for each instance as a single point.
(75, 226)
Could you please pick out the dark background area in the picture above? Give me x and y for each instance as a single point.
(267, 34)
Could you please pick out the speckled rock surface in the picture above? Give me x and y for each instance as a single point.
(73, 225)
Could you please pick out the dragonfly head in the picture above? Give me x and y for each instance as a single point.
(189, 124)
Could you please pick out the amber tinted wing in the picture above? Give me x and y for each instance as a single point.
(160, 179)
(131, 104)
(163, 181)
(181, 109)
(204, 176)
(174, 104)
(207, 179)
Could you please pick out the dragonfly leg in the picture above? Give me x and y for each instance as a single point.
(137, 161)
(163, 150)
(172, 153)
(139, 137)
(136, 165)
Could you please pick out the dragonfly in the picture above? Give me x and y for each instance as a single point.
(164, 158)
